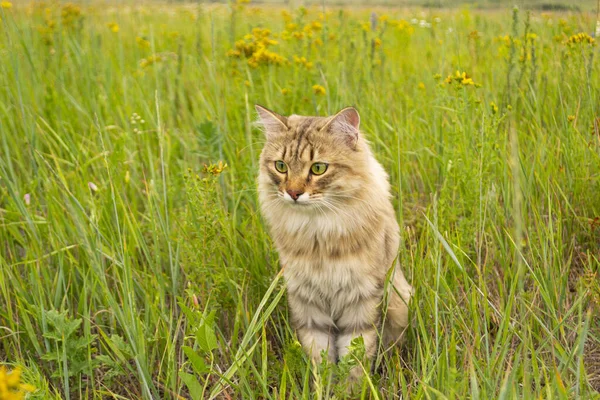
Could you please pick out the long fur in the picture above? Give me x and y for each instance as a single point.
(340, 239)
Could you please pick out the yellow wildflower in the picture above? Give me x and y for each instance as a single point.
(403, 26)
(377, 42)
(421, 86)
(303, 61)
(494, 107)
(156, 58)
(254, 46)
(316, 26)
(308, 31)
(285, 91)
(287, 17)
(503, 39)
(247, 83)
(298, 35)
(6, 5)
(71, 15)
(319, 90)
(11, 387)
(113, 27)
(571, 118)
(460, 78)
(214, 169)
(580, 38)
(142, 42)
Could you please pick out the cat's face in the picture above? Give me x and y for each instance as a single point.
(311, 162)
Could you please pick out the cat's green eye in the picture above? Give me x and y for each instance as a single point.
(281, 166)
(318, 168)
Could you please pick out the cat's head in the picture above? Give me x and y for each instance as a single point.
(313, 162)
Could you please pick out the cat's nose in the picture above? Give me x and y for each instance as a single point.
(294, 194)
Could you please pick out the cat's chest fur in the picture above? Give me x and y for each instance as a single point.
(330, 262)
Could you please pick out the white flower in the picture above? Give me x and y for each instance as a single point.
(27, 198)
(414, 21)
(92, 186)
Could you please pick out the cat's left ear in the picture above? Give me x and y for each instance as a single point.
(345, 123)
(272, 122)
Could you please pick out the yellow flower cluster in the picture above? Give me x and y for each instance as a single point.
(214, 169)
(319, 90)
(494, 108)
(71, 15)
(114, 27)
(293, 30)
(460, 79)
(580, 38)
(6, 5)
(507, 40)
(142, 42)
(254, 47)
(402, 25)
(303, 61)
(156, 58)
(11, 387)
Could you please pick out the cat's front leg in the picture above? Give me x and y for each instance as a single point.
(314, 327)
(315, 341)
(370, 339)
(360, 319)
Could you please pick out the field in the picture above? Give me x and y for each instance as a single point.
(134, 262)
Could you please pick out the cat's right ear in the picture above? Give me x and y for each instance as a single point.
(271, 122)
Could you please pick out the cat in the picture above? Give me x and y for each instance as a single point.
(326, 201)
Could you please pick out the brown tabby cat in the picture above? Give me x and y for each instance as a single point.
(327, 203)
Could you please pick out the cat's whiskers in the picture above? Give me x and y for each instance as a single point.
(336, 210)
(336, 197)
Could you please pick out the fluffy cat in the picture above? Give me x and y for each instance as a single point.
(326, 200)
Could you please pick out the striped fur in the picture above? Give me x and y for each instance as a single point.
(340, 238)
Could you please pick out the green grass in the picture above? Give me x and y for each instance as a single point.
(129, 270)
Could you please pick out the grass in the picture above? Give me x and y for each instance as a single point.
(134, 265)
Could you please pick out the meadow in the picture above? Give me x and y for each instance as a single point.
(134, 262)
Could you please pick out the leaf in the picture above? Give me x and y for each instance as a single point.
(121, 345)
(197, 362)
(191, 315)
(205, 334)
(63, 327)
(192, 384)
